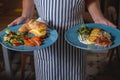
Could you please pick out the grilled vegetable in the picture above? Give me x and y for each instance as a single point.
(14, 38)
(84, 32)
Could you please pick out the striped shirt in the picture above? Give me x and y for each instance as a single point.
(60, 61)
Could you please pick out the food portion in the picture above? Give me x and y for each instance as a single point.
(96, 32)
(34, 27)
(38, 32)
(95, 36)
(33, 41)
(22, 37)
(14, 38)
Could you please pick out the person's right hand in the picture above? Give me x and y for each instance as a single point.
(19, 20)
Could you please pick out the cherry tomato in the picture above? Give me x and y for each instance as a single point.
(16, 44)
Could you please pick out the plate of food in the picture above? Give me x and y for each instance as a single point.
(28, 37)
(93, 36)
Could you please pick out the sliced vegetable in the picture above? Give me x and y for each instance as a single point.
(16, 44)
(21, 38)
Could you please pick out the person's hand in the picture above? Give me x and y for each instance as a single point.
(19, 20)
(105, 21)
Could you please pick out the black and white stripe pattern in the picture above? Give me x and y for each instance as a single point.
(60, 61)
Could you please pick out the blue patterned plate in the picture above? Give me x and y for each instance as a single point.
(52, 37)
(71, 36)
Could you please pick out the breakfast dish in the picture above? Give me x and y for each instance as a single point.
(27, 40)
(86, 41)
(21, 37)
(95, 36)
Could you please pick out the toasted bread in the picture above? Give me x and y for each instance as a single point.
(32, 24)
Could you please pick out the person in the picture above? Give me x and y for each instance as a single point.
(61, 61)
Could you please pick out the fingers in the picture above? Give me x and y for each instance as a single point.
(12, 23)
(111, 24)
(19, 20)
(15, 22)
(106, 22)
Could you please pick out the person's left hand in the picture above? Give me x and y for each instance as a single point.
(105, 21)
